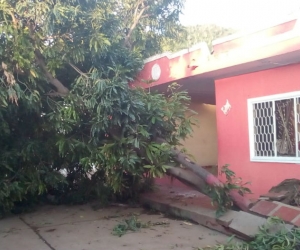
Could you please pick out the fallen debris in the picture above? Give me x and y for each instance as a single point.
(274, 234)
(288, 192)
(133, 224)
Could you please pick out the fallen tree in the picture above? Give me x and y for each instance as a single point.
(66, 110)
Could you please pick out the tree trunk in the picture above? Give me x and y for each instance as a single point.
(239, 200)
(188, 178)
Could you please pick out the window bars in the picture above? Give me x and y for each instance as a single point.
(274, 128)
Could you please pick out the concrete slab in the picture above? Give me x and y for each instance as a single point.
(202, 216)
(12, 223)
(96, 233)
(226, 219)
(246, 224)
(197, 208)
(15, 235)
(48, 216)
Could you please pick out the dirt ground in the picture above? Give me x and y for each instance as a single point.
(82, 228)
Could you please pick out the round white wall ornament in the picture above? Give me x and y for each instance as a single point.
(155, 72)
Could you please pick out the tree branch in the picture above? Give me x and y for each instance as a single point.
(78, 70)
(137, 18)
(60, 88)
(14, 20)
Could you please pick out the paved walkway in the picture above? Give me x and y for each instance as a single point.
(82, 228)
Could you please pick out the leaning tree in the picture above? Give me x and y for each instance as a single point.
(66, 106)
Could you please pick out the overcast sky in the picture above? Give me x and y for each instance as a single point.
(238, 14)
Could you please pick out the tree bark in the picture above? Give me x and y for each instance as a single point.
(198, 170)
(241, 201)
(60, 88)
(188, 178)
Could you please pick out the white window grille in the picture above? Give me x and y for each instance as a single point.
(274, 128)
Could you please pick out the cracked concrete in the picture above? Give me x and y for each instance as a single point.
(82, 228)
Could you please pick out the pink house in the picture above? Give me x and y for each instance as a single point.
(247, 95)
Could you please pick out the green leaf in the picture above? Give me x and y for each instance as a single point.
(148, 166)
(100, 134)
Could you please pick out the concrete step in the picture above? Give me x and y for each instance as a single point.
(192, 205)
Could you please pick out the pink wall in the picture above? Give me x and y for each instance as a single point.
(177, 67)
(233, 138)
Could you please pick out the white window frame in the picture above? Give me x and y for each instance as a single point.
(273, 98)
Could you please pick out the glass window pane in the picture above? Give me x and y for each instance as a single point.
(285, 127)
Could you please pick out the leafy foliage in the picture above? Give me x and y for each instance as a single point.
(221, 195)
(133, 224)
(273, 235)
(70, 125)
